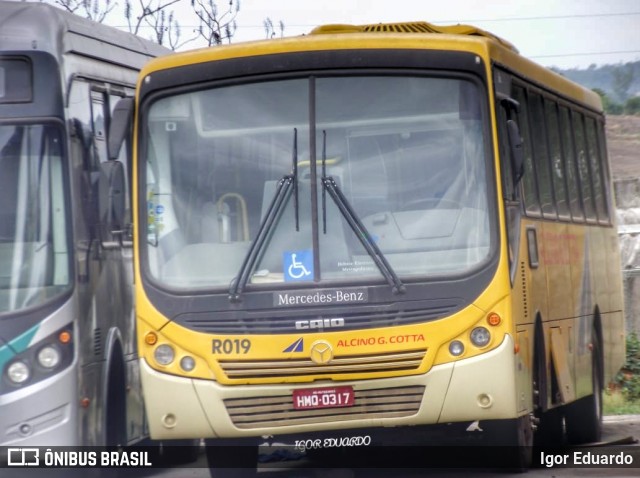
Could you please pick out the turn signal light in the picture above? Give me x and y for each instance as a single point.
(494, 319)
(64, 337)
(151, 338)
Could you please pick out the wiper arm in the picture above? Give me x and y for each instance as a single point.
(363, 235)
(286, 185)
(361, 232)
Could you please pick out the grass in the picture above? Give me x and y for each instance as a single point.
(615, 403)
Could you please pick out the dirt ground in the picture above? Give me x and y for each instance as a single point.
(623, 143)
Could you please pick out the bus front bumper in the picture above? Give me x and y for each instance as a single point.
(477, 388)
(43, 414)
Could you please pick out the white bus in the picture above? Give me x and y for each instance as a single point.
(69, 374)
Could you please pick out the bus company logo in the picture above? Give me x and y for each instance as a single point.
(319, 324)
(320, 297)
(297, 346)
(23, 457)
(321, 352)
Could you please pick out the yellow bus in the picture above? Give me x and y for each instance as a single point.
(372, 227)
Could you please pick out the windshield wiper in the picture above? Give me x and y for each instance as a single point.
(286, 185)
(359, 229)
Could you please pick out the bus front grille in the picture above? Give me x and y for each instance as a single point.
(390, 362)
(272, 321)
(278, 411)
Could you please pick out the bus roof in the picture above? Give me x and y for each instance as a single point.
(412, 27)
(500, 51)
(38, 26)
(398, 35)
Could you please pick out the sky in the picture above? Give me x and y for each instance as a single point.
(561, 33)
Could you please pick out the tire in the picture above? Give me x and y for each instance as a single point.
(116, 407)
(583, 417)
(550, 426)
(232, 458)
(550, 430)
(522, 458)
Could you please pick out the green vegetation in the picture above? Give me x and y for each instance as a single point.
(615, 403)
(624, 396)
(618, 85)
(629, 107)
(632, 106)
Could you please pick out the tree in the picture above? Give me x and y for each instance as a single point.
(216, 28)
(155, 14)
(150, 13)
(622, 78)
(270, 30)
(610, 107)
(96, 10)
(632, 106)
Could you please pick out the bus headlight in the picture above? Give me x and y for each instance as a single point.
(164, 354)
(480, 337)
(18, 372)
(49, 357)
(456, 348)
(187, 363)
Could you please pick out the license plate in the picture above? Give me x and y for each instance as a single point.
(310, 398)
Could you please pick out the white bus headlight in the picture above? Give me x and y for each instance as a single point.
(49, 357)
(18, 372)
(164, 354)
(480, 336)
(187, 363)
(456, 348)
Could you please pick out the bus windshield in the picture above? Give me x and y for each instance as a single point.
(34, 249)
(407, 154)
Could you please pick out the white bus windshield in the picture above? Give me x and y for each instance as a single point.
(34, 250)
(408, 154)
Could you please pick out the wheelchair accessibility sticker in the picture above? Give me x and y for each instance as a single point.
(298, 265)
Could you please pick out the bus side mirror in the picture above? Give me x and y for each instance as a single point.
(120, 126)
(517, 153)
(112, 198)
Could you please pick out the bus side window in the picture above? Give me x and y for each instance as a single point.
(571, 167)
(584, 173)
(596, 171)
(84, 159)
(541, 155)
(531, 202)
(508, 187)
(124, 158)
(557, 165)
(99, 118)
(605, 170)
(80, 112)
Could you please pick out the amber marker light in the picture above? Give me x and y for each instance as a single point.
(494, 319)
(151, 338)
(64, 337)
